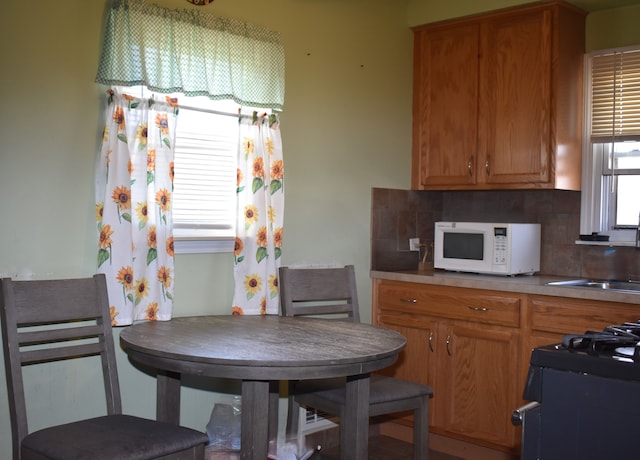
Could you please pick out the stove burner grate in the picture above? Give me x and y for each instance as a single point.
(620, 341)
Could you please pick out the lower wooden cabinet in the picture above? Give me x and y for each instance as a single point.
(473, 347)
(475, 378)
(464, 343)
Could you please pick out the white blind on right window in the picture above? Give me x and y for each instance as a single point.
(615, 105)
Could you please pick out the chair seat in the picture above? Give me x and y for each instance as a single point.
(110, 437)
(382, 390)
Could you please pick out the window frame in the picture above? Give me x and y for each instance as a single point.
(596, 201)
(209, 245)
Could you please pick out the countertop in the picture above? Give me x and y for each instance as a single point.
(524, 284)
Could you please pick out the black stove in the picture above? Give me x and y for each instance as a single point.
(613, 352)
(585, 397)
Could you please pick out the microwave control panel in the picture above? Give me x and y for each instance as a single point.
(500, 245)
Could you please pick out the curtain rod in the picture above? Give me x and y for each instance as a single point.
(219, 112)
(146, 93)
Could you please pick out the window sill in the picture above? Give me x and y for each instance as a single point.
(607, 243)
(203, 246)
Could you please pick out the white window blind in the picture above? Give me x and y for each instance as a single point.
(615, 105)
(205, 174)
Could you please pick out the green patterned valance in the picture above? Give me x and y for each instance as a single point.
(193, 53)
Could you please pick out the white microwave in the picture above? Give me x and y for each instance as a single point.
(491, 248)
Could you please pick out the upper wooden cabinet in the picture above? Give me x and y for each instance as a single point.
(498, 100)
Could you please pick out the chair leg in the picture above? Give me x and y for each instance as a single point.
(295, 435)
(293, 417)
(421, 430)
(274, 398)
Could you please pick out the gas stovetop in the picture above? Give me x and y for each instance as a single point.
(618, 342)
(613, 352)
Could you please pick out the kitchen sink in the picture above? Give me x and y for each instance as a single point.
(622, 286)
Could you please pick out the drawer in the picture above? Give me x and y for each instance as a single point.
(569, 316)
(490, 307)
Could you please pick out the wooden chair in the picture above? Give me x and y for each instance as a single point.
(332, 291)
(71, 317)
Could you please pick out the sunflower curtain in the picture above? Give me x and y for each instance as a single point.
(134, 185)
(260, 215)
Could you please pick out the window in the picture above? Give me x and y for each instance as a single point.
(205, 167)
(611, 161)
(204, 205)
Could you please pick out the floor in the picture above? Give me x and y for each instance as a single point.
(383, 448)
(380, 448)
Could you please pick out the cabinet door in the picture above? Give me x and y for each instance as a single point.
(445, 109)
(515, 99)
(414, 362)
(415, 359)
(477, 379)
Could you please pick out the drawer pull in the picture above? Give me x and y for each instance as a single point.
(448, 342)
(479, 308)
(431, 341)
(409, 300)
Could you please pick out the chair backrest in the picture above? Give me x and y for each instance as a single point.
(319, 291)
(51, 320)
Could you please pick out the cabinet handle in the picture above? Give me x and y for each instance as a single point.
(409, 300)
(479, 308)
(486, 168)
(431, 341)
(470, 166)
(448, 342)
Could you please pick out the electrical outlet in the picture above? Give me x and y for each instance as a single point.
(414, 244)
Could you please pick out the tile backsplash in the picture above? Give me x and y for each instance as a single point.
(397, 215)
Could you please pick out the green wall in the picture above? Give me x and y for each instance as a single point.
(348, 71)
(346, 128)
(613, 28)
(426, 11)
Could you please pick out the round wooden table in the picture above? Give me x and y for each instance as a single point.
(260, 350)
